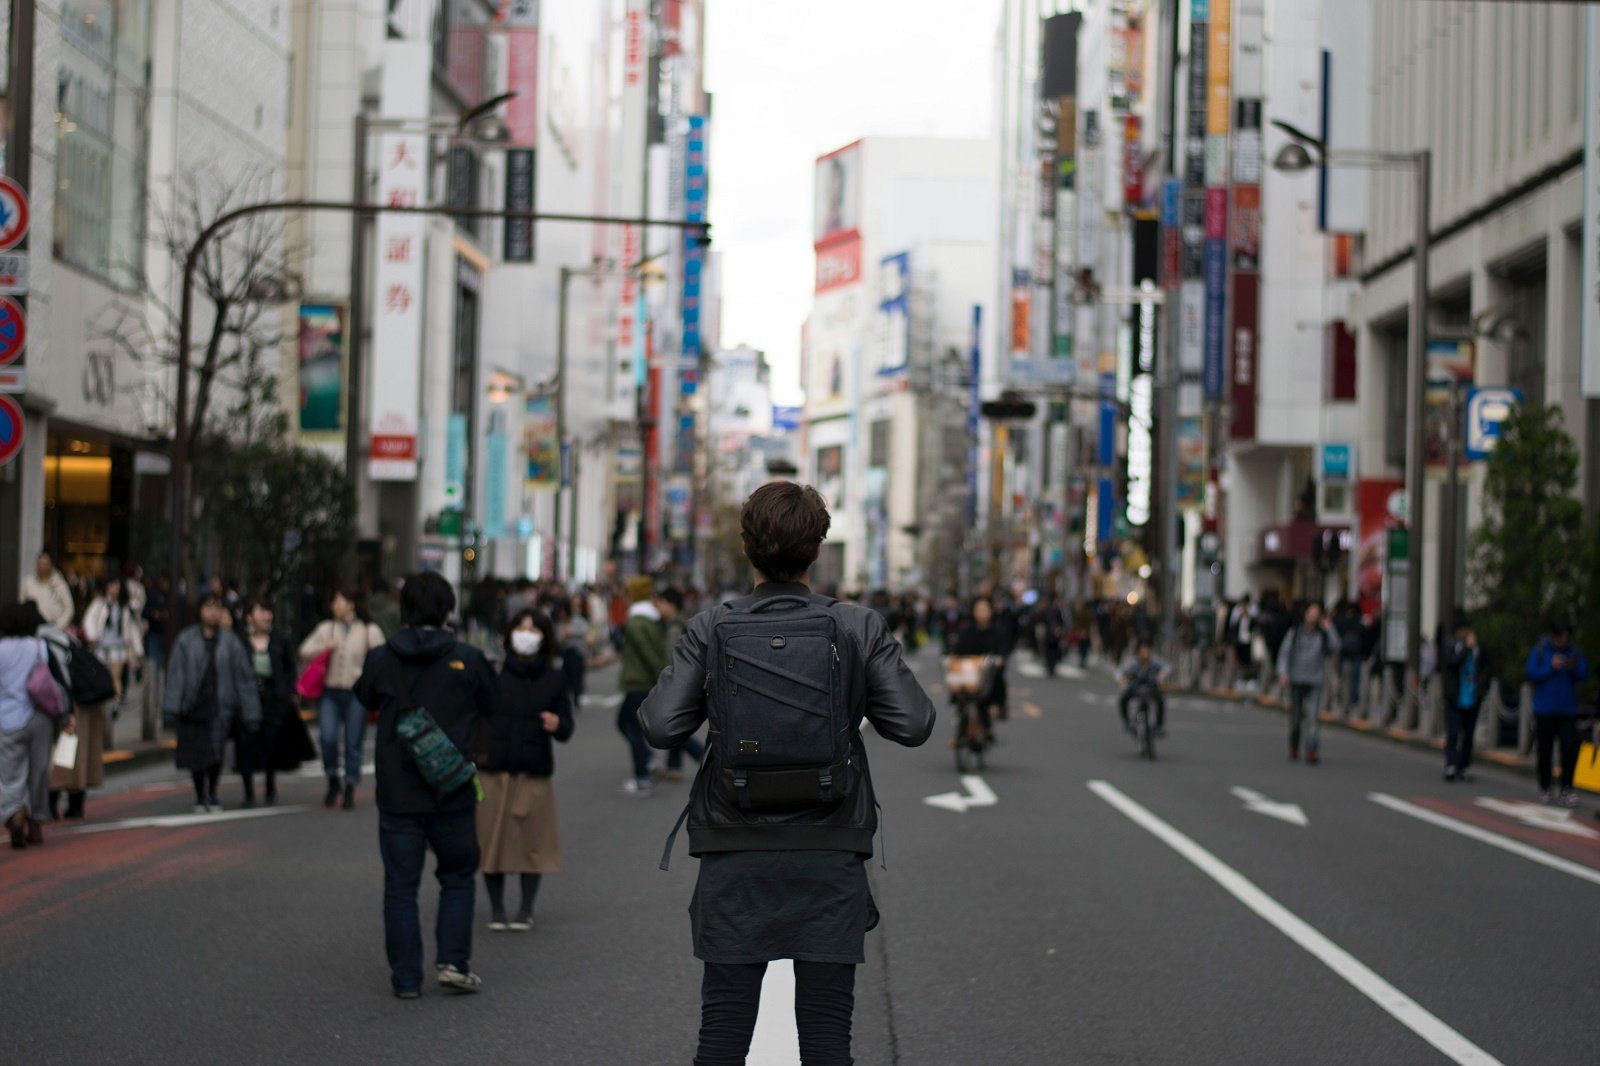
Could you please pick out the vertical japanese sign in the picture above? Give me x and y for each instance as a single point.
(694, 253)
(628, 188)
(974, 409)
(1192, 289)
(1061, 85)
(520, 172)
(397, 297)
(1219, 104)
(1245, 219)
(1591, 208)
(520, 21)
(542, 450)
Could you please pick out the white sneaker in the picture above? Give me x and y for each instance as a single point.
(635, 787)
(201, 808)
(458, 980)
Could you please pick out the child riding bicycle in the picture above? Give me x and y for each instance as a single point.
(1142, 678)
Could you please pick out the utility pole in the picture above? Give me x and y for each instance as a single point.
(563, 567)
(1416, 398)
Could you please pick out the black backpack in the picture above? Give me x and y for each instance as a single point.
(777, 700)
(88, 679)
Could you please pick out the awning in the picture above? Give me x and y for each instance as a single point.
(1303, 540)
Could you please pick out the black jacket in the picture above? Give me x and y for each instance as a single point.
(515, 740)
(433, 670)
(886, 693)
(1455, 656)
(278, 698)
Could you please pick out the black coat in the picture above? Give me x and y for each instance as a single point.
(1455, 656)
(423, 668)
(515, 738)
(277, 694)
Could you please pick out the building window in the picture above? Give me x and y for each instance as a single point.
(101, 102)
(878, 444)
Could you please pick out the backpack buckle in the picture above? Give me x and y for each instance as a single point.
(825, 783)
(741, 788)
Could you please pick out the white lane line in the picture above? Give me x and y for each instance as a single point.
(1484, 836)
(776, 1041)
(1401, 1007)
(185, 821)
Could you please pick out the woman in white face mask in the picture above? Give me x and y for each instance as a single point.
(517, 818)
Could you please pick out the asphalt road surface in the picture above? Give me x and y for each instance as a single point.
(1219, 905)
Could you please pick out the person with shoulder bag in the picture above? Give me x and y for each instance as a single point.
(782, 812)
(346, 639)
(281, 744)
(517, 830)
(33, 699)
(431, 692)
(210, 692)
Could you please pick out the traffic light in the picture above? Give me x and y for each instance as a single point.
(1010, 407)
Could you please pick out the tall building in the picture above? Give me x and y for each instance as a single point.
(146, 115)
(905, 252)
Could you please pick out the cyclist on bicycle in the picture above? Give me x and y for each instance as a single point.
(1143, 676)
(981, 636)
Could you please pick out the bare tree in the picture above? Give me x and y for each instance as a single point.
(240, 284)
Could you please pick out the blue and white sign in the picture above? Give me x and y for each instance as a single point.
(13, 214)
(1487, 411)
(13, 330)
(1337, 461)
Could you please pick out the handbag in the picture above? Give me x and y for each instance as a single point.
(434, 754)
(314, 678)
(47, 696)
(65, 754)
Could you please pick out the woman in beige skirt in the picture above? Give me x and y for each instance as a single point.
(517, 818)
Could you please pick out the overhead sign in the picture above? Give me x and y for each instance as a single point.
(1336, 462)
(13, 214)
(14, 273)
(12, 428)
(1487, 411)
(13, 330)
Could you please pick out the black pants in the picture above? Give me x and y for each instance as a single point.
(628, 725)
(1157, 700)
(1460, 726)
(1550, 728)
(824, 1000)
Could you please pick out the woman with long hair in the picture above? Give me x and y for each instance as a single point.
(517, 818)
(346, 637)
(111, 629)
(281, 742)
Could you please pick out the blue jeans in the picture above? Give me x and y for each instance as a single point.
(404, 840)
(628, 725)
(339, 707)
(1305, 706)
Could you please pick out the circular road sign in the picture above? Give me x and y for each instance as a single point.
(13, 330)
(11, 429)
(13, 213)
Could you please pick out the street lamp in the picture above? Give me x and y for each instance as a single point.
(1302, 153)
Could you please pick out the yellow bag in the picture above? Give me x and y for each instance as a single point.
(1588, 776)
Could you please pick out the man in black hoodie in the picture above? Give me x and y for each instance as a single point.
(423, 665)
(786, 882)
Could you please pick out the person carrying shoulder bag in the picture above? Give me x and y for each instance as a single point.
(782, 813)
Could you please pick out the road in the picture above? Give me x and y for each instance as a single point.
(1102, 910)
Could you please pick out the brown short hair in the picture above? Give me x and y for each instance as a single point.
(782, 527)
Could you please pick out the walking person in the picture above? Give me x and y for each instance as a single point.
(1465, 673)
(281, 743)
(644, 656)
(87, 726)
(1302, 672)
(517, 831)
(1555, 670)
(425, 666)
(112, 629)
(1347, 624)
(347, 638)
(670, 603)
(210, 688)
(26, 730)
(48, 589)
(783, 854)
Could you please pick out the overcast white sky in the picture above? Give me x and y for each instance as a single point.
(794, 80)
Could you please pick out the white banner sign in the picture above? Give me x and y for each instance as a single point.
(396, 297)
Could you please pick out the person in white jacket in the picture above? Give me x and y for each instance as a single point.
(112, 629)
(49, 590)
(347, 636)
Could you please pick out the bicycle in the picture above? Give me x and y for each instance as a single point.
(970, 679)
(1144, 730)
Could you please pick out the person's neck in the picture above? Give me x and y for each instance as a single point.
(207, 631)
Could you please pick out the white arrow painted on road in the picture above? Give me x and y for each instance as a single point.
(1284, 812)
(185, 821)
(978, 795)
(1539, 817)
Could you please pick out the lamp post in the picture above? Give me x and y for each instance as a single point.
(1305, 152)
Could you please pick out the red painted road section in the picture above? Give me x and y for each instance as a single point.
(1573, 848)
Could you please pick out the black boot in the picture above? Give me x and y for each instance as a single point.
(349, 797)
(249, 782)
(332, 795)
(55, 804)
(74, 804)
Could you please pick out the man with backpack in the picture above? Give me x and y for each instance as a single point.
(1302, 671)
(782, 812)
(427, 803)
